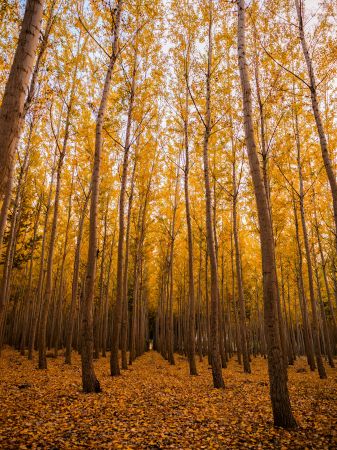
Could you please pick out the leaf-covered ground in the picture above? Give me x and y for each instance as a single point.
(157, 406)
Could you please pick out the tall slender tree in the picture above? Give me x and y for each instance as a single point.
(12, 106)
(89, 380)
(277, 372)
(214, 316)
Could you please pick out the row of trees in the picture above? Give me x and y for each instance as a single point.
(154, 157)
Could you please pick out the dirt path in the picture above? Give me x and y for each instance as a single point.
(157, 406)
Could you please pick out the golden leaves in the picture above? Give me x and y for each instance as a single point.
(157, 406)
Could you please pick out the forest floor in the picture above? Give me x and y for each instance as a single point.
(157, 406)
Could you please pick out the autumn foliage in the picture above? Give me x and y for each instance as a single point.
(168, 223)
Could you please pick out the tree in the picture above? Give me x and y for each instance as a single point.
(214, 331)
(12, 106)
(114, 363)
(89, 380)
(277, 373)
(316, 110)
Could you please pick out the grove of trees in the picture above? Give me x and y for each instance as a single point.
(168, 181)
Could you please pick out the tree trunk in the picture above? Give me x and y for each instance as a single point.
(315, 326)
(89, 380)
(218, 381)
(29, 301)
(277, 372)
(308, 344)
(191, 292)
(328, 349)
(316, 111)
(140, 230)
(169, 318)
(35, 313)
(242, 309)
(323, 264)
(5, 204)
(74, 288)
(14, 228)
(106, 298)
(125, 317)
(28, 101)
(49, 274)
(13, 101)
(118, 309)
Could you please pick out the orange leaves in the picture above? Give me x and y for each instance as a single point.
(154, 405)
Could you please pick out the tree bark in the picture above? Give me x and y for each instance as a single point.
(13, 101)
(317, 114)
(169, 318)
(29, 302)
(61, 284)
(38, 298)
(139, 241)
(125, 316)
(191, 291)
(53, 235)
(277, 372)
(218, 381)
(74, 288)
(308, 344)
(49, 274)
(117, 317)
(242, 309)
(315, 326)
(89, 380)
